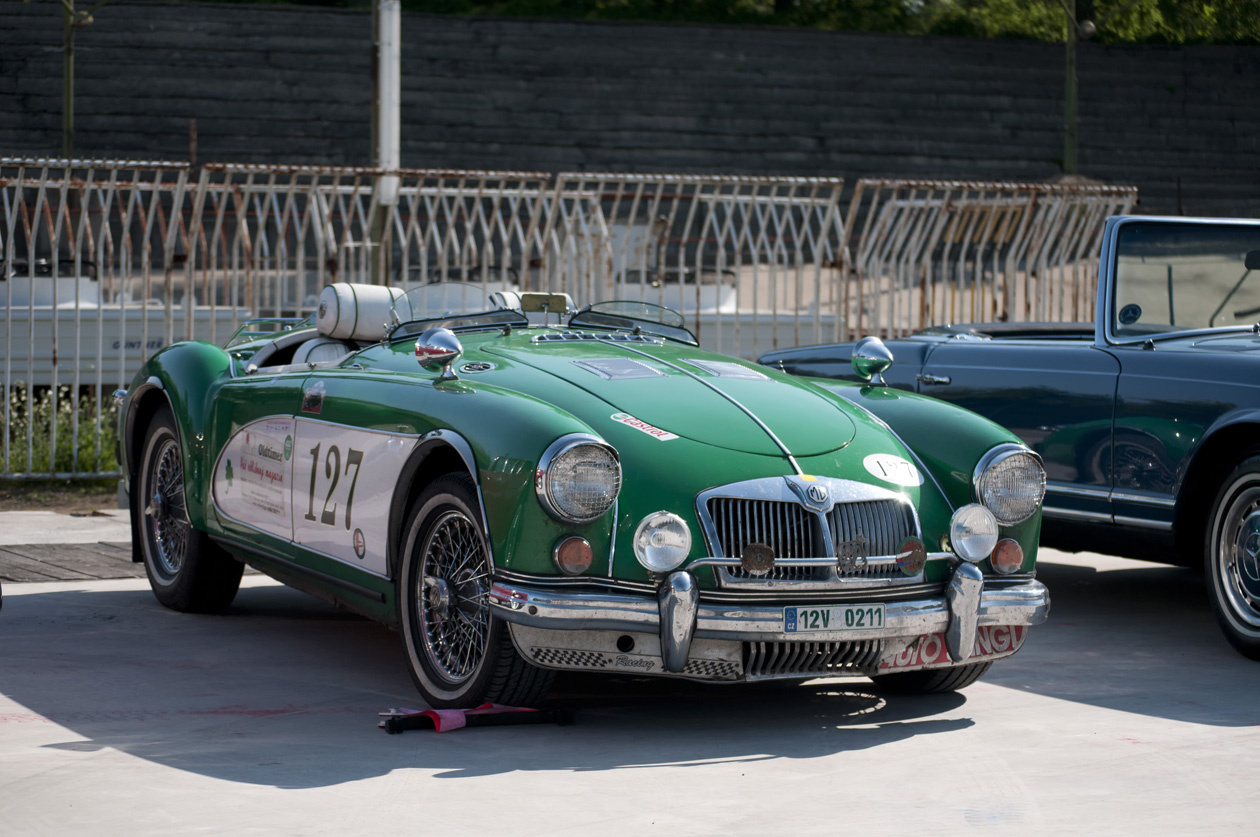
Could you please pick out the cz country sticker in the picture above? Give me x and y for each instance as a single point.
(892, 469)
(631, 421)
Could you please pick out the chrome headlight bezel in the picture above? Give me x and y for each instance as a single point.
(988, 494)
(549, 489)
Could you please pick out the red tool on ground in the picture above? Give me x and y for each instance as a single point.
(399, 720)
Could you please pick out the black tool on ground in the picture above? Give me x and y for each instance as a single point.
(395, 721)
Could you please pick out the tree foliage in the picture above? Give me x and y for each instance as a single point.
(1119, 21)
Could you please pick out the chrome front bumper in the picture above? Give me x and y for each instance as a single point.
(679, 619)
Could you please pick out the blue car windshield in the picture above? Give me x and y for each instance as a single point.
(1182, 277)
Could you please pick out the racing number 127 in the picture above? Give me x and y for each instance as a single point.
(333, 471)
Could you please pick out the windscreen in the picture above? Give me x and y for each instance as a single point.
(1179, 277)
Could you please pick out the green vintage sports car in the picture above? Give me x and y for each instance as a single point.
(520, 488)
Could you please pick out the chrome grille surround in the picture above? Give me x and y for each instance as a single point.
(807, 536)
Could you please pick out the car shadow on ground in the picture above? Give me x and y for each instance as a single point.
(1134, 637)
(283, 690)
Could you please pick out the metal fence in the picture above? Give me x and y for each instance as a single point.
(936, 252)
(102, 263)
(753, 263)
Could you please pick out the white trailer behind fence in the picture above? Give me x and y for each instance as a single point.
(102, 263)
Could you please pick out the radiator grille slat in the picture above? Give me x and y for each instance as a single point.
(790, 532)
(884, 524)
(784, 527)
(791, 659)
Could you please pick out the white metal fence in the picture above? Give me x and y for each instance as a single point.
(102, 263)
(935, 252)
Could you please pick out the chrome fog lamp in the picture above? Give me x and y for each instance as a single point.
(1011, 482)
(578, 478)
(973, 532)
(662, 541)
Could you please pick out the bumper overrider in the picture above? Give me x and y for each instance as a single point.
(679, 635)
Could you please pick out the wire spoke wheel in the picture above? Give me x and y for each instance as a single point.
(453, 612)
(460, 655)
(165, 514)
(186, 570)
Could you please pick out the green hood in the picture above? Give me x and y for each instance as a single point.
(708, 398)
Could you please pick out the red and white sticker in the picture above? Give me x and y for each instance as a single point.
(992, 641)
(637, 424)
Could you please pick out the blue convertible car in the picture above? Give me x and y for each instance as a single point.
(1148, 419)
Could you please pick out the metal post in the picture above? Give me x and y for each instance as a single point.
(386, 127)
(67, 80)
(1069, 90)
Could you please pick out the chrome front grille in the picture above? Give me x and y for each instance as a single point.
(787, 528)
(884, 524)
(817, 659)
(849, 540)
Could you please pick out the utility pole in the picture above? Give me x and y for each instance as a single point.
(1070, 100)
(386, 126)
(72, 19)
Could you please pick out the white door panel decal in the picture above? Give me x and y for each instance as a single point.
(345, 482)
(253, 476)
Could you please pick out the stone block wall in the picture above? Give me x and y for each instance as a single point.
(286, 84)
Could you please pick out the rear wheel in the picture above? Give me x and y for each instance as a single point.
(459, 654)
(1232, 558)
(186, 570)
(932, 681)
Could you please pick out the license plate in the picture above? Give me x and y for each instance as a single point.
(834, 618)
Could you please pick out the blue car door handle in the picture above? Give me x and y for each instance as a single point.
(931, 380)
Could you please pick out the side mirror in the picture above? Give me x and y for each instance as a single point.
(1252, 261)
(871, 358)
(439, 347)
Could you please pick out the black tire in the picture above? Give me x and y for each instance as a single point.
(187, 571)
(459, 654)
(931, 681)
(1231, 557)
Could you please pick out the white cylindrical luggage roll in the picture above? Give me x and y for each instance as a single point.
(355, 312)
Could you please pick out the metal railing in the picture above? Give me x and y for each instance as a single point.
(935, 252)
(105, 262)
(753, 263)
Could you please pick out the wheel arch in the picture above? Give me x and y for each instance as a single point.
(144, 402)
(1215, 456)
(440, 452)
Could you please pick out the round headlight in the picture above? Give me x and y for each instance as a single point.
(578, 478)
(662, 541)
(973, 532)
(1011, 483)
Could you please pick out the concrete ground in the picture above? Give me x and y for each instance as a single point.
(1127, 713)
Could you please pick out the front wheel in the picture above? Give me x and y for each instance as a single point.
(186, 570)
(459, 654)
(931, 681)
(1231, 557)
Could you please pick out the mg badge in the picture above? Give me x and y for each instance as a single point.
(813, 491)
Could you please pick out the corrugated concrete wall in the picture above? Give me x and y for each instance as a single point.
(293, 85)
